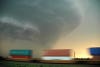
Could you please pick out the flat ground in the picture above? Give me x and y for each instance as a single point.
(27, 64)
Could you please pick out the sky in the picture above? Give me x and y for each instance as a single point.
(49, 24)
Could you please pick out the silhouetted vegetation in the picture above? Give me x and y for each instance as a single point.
(2, 58)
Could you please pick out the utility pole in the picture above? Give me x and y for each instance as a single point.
(74, 54)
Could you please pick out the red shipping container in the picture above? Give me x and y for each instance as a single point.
(58, 52)
(21, 57)
(96, 58)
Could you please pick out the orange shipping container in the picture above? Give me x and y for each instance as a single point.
(58, 52)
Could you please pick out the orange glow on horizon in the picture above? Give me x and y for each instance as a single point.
(79, 46)
(83, 56)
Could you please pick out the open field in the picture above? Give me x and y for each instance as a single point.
(27, 64)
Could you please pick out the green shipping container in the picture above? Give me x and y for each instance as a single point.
(21, 52)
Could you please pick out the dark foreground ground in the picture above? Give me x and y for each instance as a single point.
(33, 64)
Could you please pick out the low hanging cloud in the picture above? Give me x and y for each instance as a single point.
(36, 24)
(47, 20)
(11, 27)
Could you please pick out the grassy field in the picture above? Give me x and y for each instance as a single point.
(27, 64)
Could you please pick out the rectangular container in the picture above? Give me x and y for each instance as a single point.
(96, 58)
(21, 52)
(58, 52)
(20, 57)
(56, 58)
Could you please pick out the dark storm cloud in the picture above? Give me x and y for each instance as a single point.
(52, 18)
